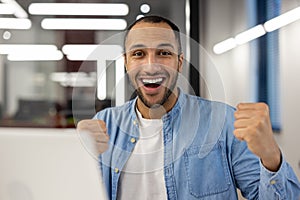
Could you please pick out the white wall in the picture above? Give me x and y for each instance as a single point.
(289, 139)
(227, 18)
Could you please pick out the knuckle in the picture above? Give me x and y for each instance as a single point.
(236, 124)
(104, 136)
(235, 132)
(81, 124)
(236, 114)
(238, 134)
(264, 106)
(266, 113)
(263, 113)
(101, 122)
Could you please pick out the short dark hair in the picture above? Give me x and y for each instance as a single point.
(156, 19)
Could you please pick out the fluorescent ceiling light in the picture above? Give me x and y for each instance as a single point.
(18, 10)
(92, 52)
(14, 23)
(282, 20)
(6, 9)
(259, 30)
(241, 38)
(79, 51)
(83, 24)
(224, 46)
(36, 56)
(250, 34)
(30, 52)
(74, 79)
(23, 48)
(96, 9)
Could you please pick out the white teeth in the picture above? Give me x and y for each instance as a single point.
(151, 81)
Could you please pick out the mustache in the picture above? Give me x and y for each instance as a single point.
(150, 74)
(148, 66)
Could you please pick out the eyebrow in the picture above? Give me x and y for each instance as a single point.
(166, 45)
(136, 46)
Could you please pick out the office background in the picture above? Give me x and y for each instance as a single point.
(40, 93)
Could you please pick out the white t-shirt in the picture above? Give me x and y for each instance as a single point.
(143, 175)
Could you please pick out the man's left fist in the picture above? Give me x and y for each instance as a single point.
(253, 125)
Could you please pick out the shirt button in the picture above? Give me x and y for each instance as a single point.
(135, 123)
(116, 170)
(132, 140)
(272, 182)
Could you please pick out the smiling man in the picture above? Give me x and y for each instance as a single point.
(153, 66)
(166, 144)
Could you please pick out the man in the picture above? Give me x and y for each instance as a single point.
(169, 145)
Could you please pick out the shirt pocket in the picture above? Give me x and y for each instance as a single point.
(207, 172)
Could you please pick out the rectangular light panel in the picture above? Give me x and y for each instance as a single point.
(282, 20)
(6, 9)
(83, 24)
(15, 23)
(250, 34)
(95, 9)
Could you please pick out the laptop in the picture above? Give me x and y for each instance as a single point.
(48, 164)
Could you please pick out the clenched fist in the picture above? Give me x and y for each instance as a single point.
(97, 129)
(253, 125)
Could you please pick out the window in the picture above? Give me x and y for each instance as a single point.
(266, 65)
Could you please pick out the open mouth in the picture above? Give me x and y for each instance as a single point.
(152, 83)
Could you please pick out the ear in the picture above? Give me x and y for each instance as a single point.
(180, 62)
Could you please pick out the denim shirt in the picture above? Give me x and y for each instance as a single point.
(202, 158)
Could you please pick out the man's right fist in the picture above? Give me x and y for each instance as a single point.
(97, 129)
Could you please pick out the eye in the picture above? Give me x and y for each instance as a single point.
(165, 53)
(137, 53)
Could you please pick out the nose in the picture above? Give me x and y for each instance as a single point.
(151, 58)
(152, 64)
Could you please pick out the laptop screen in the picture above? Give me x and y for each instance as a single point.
(48, 164)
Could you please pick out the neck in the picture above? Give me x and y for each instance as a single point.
(157, 112)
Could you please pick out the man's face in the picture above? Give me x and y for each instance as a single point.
(152, 61)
